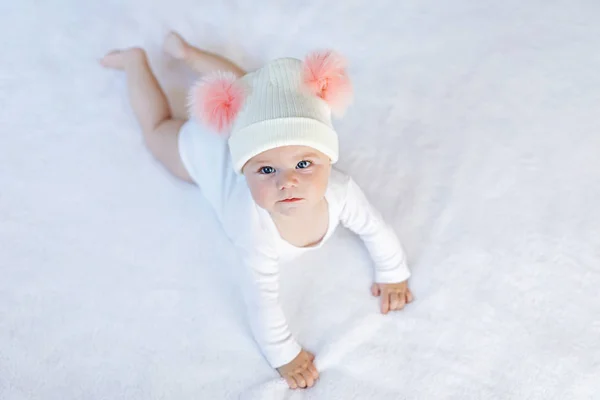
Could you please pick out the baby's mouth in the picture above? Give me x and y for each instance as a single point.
(291, 200)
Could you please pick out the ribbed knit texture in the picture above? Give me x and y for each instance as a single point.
(280, 111)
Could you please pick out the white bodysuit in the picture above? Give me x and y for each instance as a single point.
(253, 232)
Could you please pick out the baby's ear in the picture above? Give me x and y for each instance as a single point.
(216, 99)
(324, 72)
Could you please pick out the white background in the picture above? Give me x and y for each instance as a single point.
(475, 131)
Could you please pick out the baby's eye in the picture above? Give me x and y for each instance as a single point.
(303, 164)
(267, 170)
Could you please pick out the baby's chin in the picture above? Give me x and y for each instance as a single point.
(290, 208)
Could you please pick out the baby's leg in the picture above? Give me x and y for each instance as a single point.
(151, 108)
(198, 60)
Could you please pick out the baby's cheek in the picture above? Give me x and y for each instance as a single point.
(264, 197)
(255, 190)
(319, 183)
(313, 192)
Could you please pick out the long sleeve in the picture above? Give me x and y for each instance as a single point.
(383, 245)
(267, 320)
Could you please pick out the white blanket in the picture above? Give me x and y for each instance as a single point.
(475, 130)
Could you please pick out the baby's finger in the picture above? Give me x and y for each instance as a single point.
(394, 301)
(307, 375)
(291, 382)
(300, 380)
(385, 302)
(409, 296)
(375, 291)
(401, 301)
(313, 371)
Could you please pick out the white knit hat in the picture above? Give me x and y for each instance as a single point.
(286, 102)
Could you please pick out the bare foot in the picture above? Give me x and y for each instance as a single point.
(175, 46)
(118, 59)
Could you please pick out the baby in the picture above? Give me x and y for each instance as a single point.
(261, 146)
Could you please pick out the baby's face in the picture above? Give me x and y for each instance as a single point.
(288, 179)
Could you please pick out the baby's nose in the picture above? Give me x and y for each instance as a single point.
(287, 180)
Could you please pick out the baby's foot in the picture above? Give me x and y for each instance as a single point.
(175, 46)
(118, 59)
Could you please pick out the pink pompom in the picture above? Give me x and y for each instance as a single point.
(216, 99)
(325, 75)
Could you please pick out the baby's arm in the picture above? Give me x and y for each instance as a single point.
(269, 325)
(391, 270)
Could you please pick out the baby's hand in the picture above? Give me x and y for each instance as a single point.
(300, 372)
(394, 296)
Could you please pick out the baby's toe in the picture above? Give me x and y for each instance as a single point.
(113, 59)
(174, 45)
